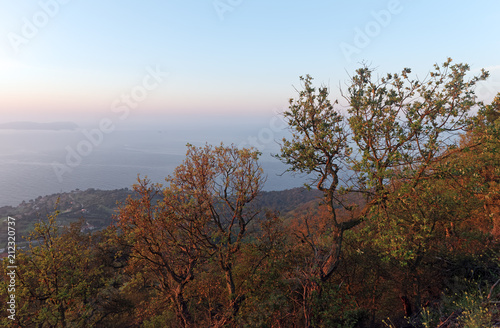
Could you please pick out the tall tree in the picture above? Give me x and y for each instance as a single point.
(222, 182)
(164, 246)
(395, 129)
(319, 146)
(202, 214)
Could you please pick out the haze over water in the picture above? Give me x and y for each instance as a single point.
(27, 158)
(226, 66)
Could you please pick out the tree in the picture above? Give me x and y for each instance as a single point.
(60, 279)
(401, 126)
(222, 181)
(396, 130)
(319, 146)
(483, 141)
(406, 131)
(164, 247)
(202, 214)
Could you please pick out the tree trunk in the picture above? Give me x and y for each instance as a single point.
(182, 309)
(234, 300)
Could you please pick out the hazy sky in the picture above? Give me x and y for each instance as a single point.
(68, 60)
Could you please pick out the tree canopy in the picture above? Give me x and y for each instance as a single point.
(404, 231)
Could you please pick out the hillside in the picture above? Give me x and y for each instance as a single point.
(96, 207)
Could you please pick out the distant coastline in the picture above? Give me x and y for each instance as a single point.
(51, 126)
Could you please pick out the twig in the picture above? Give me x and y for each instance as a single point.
(447, 319)
(493, 287)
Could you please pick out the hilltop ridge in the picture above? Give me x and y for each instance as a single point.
(97, 207)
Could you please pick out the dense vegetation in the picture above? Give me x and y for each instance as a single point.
(95, 207)
(405, 235)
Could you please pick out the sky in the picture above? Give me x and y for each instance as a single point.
(75, 60)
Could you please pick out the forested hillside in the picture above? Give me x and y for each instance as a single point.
(401, 227)
(96, 208)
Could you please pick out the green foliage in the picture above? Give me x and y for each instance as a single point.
(416, 220)
(332, 308)
(319, 141)
(474, 312)
(429, 318)
(405, 156)
(400, 125)
(164, 320)
(468, 304)
(61, 280)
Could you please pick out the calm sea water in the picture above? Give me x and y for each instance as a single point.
(27, 160)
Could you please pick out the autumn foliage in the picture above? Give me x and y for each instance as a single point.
(405, 233)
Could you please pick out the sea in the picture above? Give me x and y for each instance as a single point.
(36, 162)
